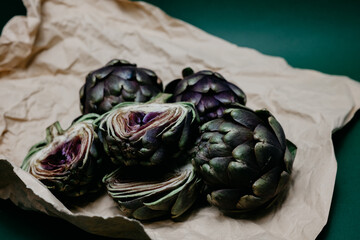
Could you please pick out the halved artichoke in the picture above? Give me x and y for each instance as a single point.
(147, 198)
(244, 158)
(147, 134)
(68, 161)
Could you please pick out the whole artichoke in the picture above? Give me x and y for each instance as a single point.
(208, 91)
(158, 196)
(147, 134)
(118, 81)
(244, 158)
(68, 161)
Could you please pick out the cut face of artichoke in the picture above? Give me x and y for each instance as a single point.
(63, 155)
(67, 161)
(133, 122)
(148, 198)
(147, 134)
(65, 152)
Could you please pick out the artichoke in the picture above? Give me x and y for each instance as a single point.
(153, 197)
(208, 91)
(68, 161)
(147, 134)
(118, 81)
(244, 159)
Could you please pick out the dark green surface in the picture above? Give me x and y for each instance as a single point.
(321, 35)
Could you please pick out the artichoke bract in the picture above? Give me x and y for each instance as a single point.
(118, 81)
(147, 198)
(209, 91)
(68, 161)
(244, 159)
(147, 134)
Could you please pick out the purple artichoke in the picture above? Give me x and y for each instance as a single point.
(210, 92)
(118, 81)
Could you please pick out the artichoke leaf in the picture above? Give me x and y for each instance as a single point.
(180, 87)
(227, 126)
(218, 168)
(249, 202)
(225, 199)
(245, 154)
(244, 116)
(263, 134)
(240, 174)
(266, 185)
(267, 155)
(237, 136)
(145, 213)
(278, 130)
(186, 198)
(211, 126)
(192, 80)
(283, 182)
(168, 200)
(290, 154)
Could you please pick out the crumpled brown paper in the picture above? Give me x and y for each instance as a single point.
(45, 57)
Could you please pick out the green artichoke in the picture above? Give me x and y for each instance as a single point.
(68, 161)
(244, 159)
(147, 134)
(208, 91)
(153, 197)
(118, 81)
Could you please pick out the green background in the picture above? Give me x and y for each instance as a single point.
(320, 35)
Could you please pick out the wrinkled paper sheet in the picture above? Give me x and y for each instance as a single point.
(45, 56)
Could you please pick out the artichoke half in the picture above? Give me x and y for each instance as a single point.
(244, 159)
(209, 91)
(147, 134)
(118, 81)
(68, 161)
(149, 198)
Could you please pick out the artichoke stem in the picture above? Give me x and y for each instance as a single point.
(187, 72)
(49, 131)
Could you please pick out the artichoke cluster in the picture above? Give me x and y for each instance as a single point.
(158, 152)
